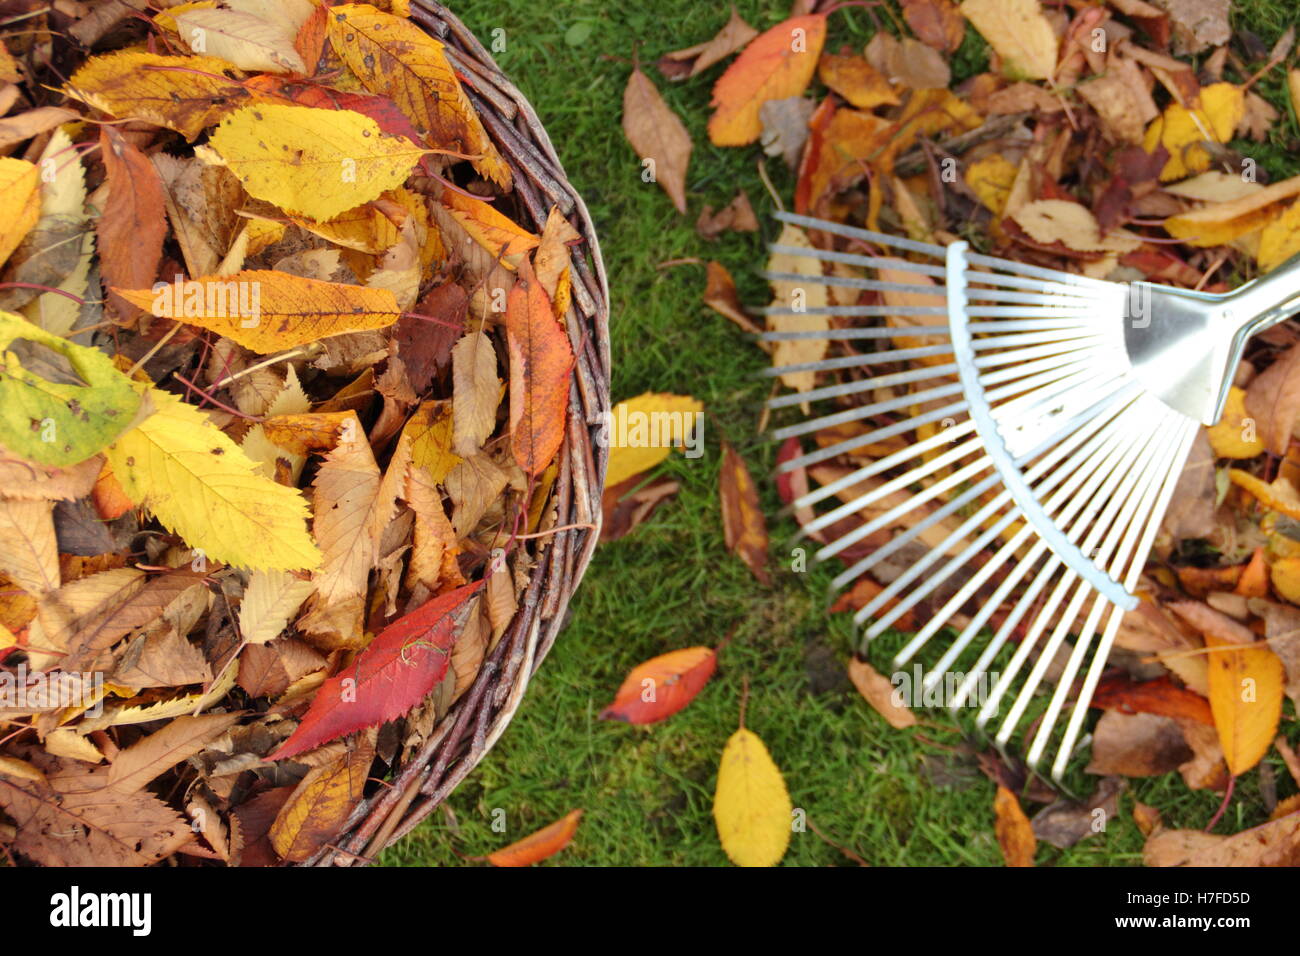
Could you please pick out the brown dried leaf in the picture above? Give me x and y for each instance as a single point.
(658, 136)
(743, 525)
(877, 690)
(151, 756)
(78, 820)
(1273, 400)
(938, 23)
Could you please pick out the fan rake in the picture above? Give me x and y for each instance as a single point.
(1061, 411)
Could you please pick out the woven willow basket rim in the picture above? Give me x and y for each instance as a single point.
(476, 721)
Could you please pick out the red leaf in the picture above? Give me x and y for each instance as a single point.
(397, 671)
(545, 842)
(134, 224)
(1160, 696)
(674, 680)
(541, 361)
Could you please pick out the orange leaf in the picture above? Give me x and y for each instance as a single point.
(778, 64)
(1014, 832)
(1254, 579)
(268, 311)
(878, 691)
(545, 842)
(672, 681)
(1280, 496)
(495, 232)
(541, 360)
(742, 518)
(110, 500)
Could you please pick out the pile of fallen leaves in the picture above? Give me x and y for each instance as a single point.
(264, 507)
(1099, 141)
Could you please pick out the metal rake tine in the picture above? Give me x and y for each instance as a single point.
(1117, 550)
(1189, 429)
(865, 358)
(1098, 516)
(885, 519)
(866, 235)
(850, 388)
(1094, 447)
(866, 262)
(1020, 268)
(866, 411)
(870, 438)
(862, 285)
(839, 335)
(864, 472)
(1066, 499)
(857, 311)
(899, 541)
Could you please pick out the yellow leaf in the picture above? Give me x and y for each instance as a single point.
(397, 59)
(1019, 33)
(645, 429)
(1235, 435)
(20, 202)
(269, 311)
(1281, 495)
(751, 807)
(1280, 239)
(271, 599)
(320, 804)
(199, 484)
(1285, 575)
(117, 716)
(1221, 222)
(312, 162)
(20, 769)
(1246, 684)
(990, 178)
(791, 294)
(431, 430)
(1181, 131)
(184, 93)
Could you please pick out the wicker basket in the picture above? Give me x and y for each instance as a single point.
(480, 716)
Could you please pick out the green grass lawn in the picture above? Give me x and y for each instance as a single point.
(888, 795)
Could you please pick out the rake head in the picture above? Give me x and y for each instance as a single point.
(1004, 430)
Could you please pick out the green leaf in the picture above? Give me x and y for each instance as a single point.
(60, 402)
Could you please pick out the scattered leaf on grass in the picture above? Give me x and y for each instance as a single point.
(658, 135)
(743, 524)
(877, 690)
(751, 807)
(1014, 832)
(663, 685)
(536, 847)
